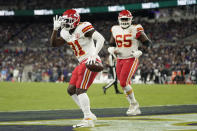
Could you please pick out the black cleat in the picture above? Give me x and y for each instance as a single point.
(104, 90)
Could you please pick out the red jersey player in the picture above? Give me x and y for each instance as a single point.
(80, 37)
(127, 38)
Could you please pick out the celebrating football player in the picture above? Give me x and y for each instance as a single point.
(126, 38)
(80, 37)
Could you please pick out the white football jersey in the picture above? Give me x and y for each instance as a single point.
(126, 41)
(82, 46)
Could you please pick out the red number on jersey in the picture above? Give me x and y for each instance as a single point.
(125, 42)
(119, 41)
(80, 52)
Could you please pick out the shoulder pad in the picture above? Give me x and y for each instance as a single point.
(139, 27)
(114, 27)
(86, 26)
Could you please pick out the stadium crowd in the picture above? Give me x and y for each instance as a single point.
(26, 53)
(159, 32)
(55, 64)
(42, 4)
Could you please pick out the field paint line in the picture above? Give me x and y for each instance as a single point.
(97, 108)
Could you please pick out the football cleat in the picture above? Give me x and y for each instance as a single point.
(104, 90)
(93, 117)
(133, 109)
(85, 123)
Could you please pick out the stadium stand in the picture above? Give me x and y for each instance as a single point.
(42, 4)
(26, 55)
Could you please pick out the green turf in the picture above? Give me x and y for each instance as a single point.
(47, 96)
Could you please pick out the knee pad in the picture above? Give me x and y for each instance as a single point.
(71, 90)
(80, 91)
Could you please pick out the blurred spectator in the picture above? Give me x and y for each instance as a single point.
(27, 55)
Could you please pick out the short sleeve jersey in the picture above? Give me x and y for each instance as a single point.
(82, 46)
(126, 39)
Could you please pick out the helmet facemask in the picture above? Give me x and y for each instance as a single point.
(68, 22)
(125, 22)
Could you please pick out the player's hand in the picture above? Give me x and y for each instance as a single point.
(56, 22)
(91, 60)
(137, 54)
(116, 52)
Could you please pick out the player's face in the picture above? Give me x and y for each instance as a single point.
(125, 22)
(67, 23)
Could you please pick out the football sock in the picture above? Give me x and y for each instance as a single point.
(129, 100)
(76, 99)
(129, 94)
(85, 104)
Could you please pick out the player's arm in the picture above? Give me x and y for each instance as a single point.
(112, 41)
(144, 39)
(56, 41)
(98, 37)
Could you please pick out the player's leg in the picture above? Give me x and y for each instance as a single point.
(85, 79)
(115, 81)
(72, 86)
(127, 71)
(72, 92)
(111, 82)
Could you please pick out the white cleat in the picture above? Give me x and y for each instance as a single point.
(93, 117)
(133, 109)
(85, 123)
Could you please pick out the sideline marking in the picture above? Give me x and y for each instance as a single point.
(97, 108)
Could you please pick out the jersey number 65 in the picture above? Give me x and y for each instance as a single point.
(124, 40)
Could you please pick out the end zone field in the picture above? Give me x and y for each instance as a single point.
(47, 106)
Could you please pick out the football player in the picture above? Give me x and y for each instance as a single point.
(126, 38)
(80, 37)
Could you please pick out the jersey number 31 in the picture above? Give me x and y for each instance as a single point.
(74, 47)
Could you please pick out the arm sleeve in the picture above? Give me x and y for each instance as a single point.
(139, 29)
(99, 41)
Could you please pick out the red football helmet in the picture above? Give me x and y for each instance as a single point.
(125, 18)
(70, 19)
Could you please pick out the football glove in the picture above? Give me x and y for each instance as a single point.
(91, 60)
(111, 50)
(137, 54)
(56, 22)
